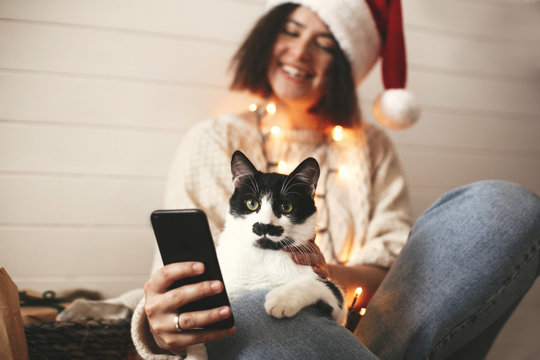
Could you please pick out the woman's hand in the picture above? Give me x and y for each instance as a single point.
(161, 305)
(309, 254)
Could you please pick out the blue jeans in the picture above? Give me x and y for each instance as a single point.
(469, 260)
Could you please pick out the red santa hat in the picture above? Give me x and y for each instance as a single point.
(367, 30)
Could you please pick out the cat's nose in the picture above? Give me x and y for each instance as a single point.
(267, 229)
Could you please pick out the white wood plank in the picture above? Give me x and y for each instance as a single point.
(77, 251)
(82, 100)
(64, 149)
(477, 57)
(516, 136)
(464, 94)
(432, 167)
(208, 19)
(77, 200)
(513, 21)
(98, 52)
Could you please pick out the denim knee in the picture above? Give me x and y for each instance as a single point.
(504, 191)
(309, 334)
(507, 199)
(490, 198)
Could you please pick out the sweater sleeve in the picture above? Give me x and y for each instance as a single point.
(389, 221)
(143, 340)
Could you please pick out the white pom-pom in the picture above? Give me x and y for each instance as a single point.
(396, 108)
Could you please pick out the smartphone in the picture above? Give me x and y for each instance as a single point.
(184, 235)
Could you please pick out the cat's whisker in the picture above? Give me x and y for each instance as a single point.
(255, 184)
(286, 183)
(292, 193)
(288, 191)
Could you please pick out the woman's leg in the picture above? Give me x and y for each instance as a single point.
(310, 334)
(469, 260)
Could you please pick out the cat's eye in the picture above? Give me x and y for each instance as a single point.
(252, 204)
(285, 207)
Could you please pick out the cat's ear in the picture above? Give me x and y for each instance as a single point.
(241, 168)
(307, 172)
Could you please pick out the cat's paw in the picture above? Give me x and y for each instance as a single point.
(196, 352)
(282, 302)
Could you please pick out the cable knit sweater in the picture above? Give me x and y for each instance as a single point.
(363, 217)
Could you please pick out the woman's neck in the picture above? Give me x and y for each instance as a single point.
(288, 116)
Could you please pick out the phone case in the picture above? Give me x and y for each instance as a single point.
(184, 235)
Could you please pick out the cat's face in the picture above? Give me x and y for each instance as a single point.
(271, 210)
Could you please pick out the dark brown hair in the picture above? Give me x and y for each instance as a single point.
(250, 67)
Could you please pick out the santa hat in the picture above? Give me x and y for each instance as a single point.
(367, 30)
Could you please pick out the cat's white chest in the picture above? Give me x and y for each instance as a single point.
(250, 268)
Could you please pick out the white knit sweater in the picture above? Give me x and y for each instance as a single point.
(363, 218)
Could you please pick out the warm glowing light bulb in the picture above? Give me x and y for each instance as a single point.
(275, 130)
(337, 133)
(344, 172)
(271, 108)
(282, 167)
(253, 107)
(362, 311)
(357, 293)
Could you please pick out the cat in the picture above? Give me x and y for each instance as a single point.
(267, 212)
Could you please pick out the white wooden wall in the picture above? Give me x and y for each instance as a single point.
(95, 94)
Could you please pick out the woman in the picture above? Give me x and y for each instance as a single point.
(468, 259)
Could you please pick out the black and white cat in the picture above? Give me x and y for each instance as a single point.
(267, 212)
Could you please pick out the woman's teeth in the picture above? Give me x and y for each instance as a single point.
(294, 72)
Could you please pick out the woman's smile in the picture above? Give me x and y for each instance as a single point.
(296, 72)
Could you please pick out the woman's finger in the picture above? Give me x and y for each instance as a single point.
(321, 272)
(164, 277)
(186, 294)
(309, 254)
(197, 319)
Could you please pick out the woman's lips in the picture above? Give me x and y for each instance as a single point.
(295, 72)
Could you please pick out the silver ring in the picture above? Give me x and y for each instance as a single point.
(176, 324)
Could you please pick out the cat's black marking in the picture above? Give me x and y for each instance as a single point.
(334, 290)
(267, 229)
(266, 243)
